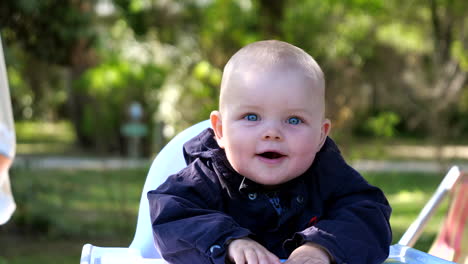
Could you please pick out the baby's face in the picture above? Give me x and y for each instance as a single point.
(271, 125)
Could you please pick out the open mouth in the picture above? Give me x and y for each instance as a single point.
(271, 155)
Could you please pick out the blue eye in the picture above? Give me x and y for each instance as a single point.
(251, 117)
(294, 121)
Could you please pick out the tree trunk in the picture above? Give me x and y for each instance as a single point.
(271, 12)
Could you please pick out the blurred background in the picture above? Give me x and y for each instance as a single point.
(99, 86)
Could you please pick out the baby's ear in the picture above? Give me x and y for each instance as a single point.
(216, 124)
(324, 131)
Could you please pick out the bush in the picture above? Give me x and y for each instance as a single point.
(380, 125)
(106, 91)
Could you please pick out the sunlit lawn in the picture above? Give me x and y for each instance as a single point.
(408, 193)
(59, 211)
(39, 138)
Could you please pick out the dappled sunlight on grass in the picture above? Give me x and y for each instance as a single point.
(42, 137)
(407, 193)
(42, 148)
(405, 196)
(77, 203)
(39, 249)
(42, 131)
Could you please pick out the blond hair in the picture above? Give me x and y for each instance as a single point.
(265, 55)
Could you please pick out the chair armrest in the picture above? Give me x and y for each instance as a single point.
(91, 254)
(400, 254)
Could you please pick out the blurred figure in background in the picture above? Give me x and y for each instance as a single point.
(7, 144)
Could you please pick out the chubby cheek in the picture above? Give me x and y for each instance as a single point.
(237, 161)
(235, 150)
(237, 139)
(305, 152)
(306, 162)
(307, 144)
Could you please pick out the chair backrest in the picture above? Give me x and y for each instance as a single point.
(452, 240)
(169, 161)
(414, 231)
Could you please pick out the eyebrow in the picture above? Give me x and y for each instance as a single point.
(256, 107)
(250, 106)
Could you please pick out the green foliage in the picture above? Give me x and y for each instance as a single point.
(404, 38)
(110, 88)
(48, 30)
(375, 54)
(199, 94)
(461, 54)
(225, 27)
(203, 71)
(30, 80)
(459, 117)
(336, 30)
(382, 125)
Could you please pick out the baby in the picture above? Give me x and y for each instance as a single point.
(266, 182)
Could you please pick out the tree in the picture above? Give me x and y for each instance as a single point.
(52, 33)
(436, 73)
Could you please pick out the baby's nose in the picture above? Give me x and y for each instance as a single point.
(272, 133)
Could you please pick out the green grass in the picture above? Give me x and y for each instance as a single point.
(41, 131)
(407, 194)
(60, 210)
(40, 137)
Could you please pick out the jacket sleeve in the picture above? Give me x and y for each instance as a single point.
(187, 219)
(354, 227)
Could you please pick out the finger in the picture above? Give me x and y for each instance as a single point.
(292, 261)
(268, 258)
(304, 261)
(250, 256)
(262, 257)
(273, 258)
(238, 257)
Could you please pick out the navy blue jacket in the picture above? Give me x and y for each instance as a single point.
(197, 211)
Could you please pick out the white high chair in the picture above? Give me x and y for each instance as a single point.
(142, 249)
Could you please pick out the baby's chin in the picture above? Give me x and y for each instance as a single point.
(269, 183)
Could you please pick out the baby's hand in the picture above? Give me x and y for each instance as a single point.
(308, 254)
(247, 251)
